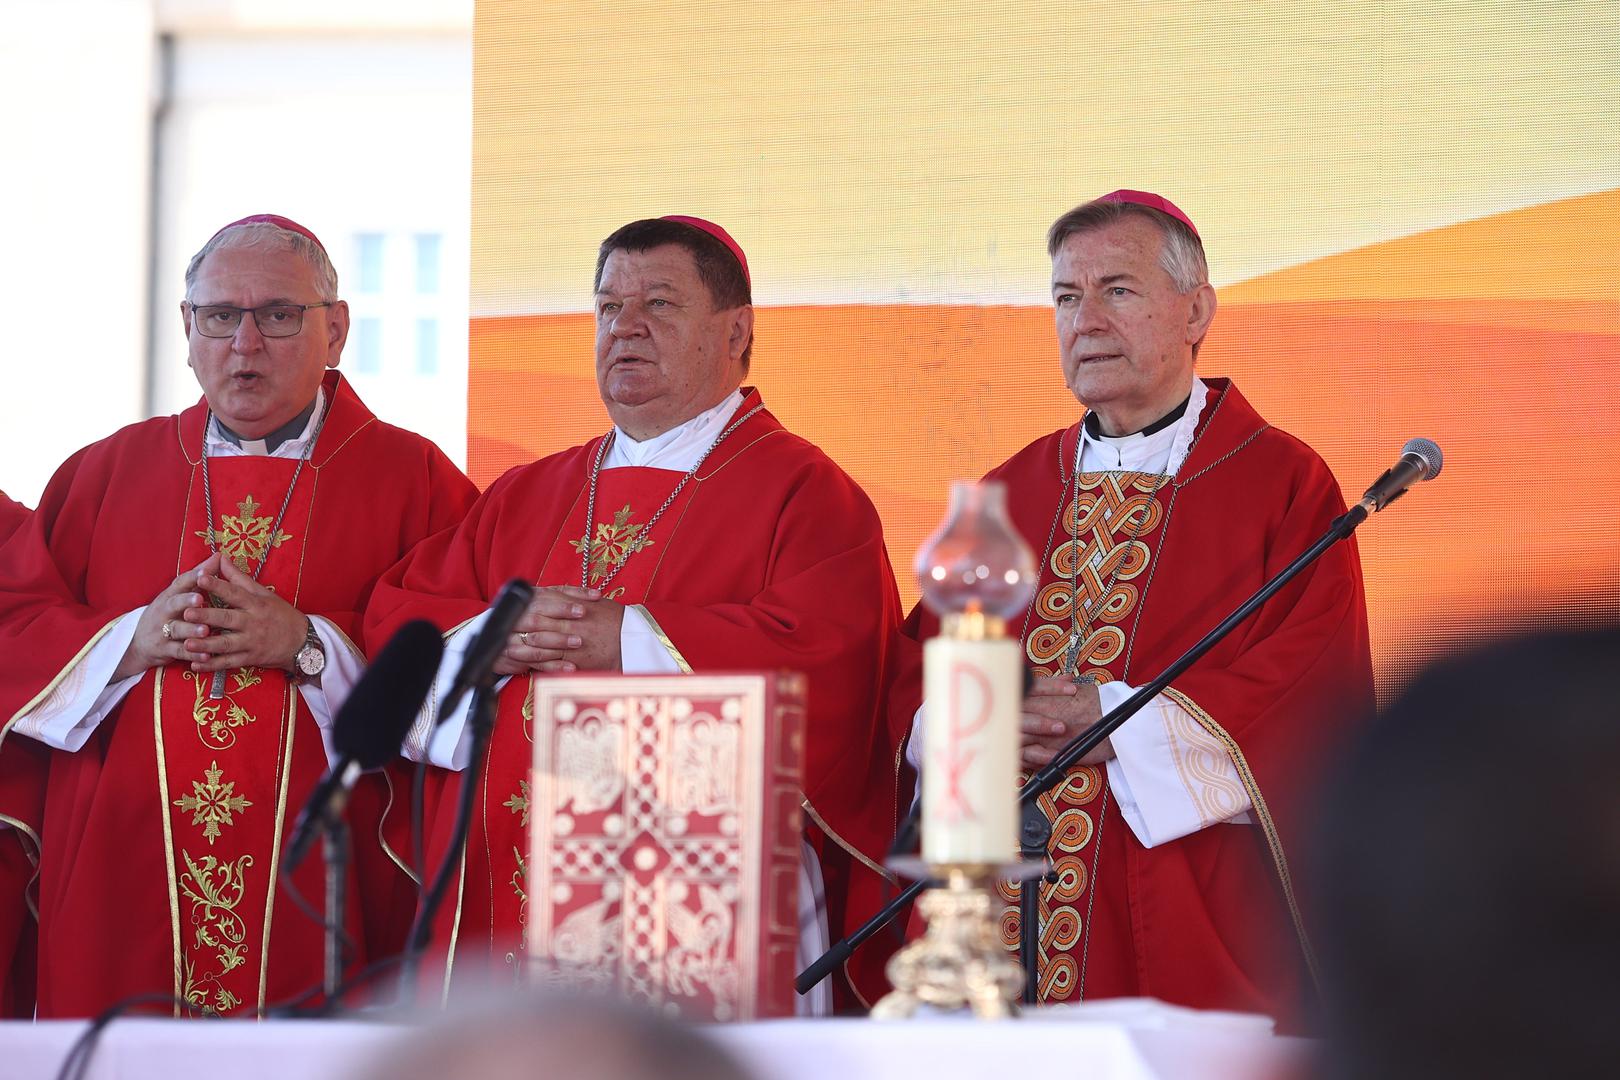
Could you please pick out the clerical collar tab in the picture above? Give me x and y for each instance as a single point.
(273, 441)
(1093, 424)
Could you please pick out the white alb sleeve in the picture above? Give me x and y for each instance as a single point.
(446, 741)
(1169, 776)
(88, 693)
(641, 647)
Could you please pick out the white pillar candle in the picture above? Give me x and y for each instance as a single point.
(970, 750)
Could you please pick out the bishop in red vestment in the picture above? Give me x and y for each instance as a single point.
(22, 789)
(696, 535)
(178, 624)
(1153, 518)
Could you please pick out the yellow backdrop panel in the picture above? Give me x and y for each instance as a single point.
(1413, 221)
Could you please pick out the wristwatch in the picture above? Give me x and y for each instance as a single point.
(311, 659)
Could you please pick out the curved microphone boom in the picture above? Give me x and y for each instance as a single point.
(478, 666)
(371, 725)
(1420, 460)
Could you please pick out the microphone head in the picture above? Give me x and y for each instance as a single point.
(1429, 451)
(371, 725)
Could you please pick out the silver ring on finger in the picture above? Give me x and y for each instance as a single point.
(525, 637)
(168, 630)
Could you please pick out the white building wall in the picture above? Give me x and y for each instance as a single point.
(74, 167)
(351, 116)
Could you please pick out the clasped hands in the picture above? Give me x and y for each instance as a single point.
(566, 628)
(255, 628)
(1056, 709)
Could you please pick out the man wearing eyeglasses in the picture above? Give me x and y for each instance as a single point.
(177, 626)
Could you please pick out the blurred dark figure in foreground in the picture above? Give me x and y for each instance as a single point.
(1468, 871)
(534, 1037)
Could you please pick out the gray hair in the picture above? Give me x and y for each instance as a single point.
(1181, 256)
(271, 235)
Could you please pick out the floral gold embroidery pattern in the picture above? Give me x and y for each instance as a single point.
(614, 544)
(245, 537)
(211, 803)
(520, 881)
(214, 887)
(215, 730)
(519, 803)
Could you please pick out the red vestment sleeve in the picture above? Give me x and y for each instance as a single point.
(48, 612)
(444, 580)
(447, 497)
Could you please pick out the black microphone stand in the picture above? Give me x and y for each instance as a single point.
(1034, 836)
(481, 722)
(335, 849)
(1053, 772)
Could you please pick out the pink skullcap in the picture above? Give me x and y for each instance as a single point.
(273, 219)
(1157, 202)
(719, 234)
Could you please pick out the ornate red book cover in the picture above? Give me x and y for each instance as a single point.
(664, 839)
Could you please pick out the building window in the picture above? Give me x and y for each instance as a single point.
(369, 261)
(427, 346)
(428, 247)
(368, 346)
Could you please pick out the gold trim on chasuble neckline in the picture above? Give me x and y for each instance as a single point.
(1110, 542)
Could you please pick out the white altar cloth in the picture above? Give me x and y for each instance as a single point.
(1116, 1040)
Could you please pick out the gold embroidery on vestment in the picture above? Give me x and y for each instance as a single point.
(216, 731)
(519, 804)
(613, 545)
(520, 878)
(211, 803)
(214, 887)
(244, 538)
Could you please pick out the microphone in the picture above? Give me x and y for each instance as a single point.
(479, 663)
(371, 725)
(1420, 460)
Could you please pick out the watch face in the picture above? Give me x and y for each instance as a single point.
(311, 661)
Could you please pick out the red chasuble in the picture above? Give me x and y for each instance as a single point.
(770, 558)
(1209, 920)
(22, 788)
(162, 834)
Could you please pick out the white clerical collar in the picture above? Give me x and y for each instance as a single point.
(221, 445)
(679, 448)
(1161, 452)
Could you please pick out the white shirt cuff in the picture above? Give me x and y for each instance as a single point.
(1168, 775)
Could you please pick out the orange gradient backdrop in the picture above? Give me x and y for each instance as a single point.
(1343, 317)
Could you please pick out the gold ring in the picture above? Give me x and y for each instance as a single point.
(168, 630)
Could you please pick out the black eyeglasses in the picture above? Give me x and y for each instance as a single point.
(273, 320)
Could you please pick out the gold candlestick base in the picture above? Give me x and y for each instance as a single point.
(959, 962)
